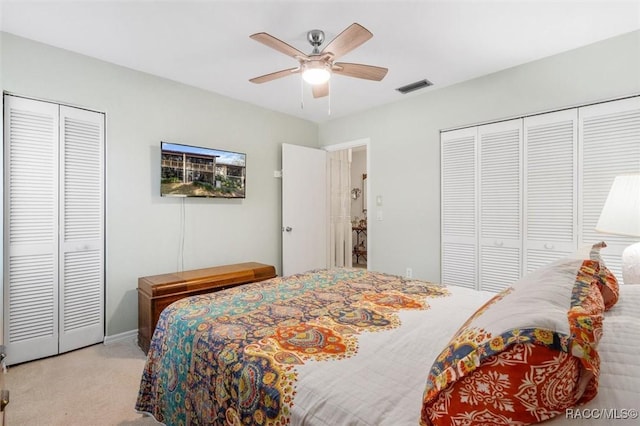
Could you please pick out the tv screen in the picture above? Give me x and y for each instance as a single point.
(191, 171)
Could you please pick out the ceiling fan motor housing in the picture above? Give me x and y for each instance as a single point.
(316, 38)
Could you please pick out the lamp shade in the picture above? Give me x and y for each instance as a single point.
(621, 212)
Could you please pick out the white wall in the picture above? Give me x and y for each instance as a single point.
(405, 144)
(143, 228)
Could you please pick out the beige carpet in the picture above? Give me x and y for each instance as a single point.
(96, 385)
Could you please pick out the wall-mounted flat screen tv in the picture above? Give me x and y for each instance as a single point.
(192, 171)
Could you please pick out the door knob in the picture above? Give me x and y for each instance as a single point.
(4, 399)
(288, 229)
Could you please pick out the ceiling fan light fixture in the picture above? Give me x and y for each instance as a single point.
(318, 67)
(316, 72)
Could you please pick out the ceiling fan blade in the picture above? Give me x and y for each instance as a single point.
(277, 44)
(346, 41)
(275, 75)
(368, 72)
(320, 90)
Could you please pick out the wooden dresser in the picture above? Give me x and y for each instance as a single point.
(157, 292)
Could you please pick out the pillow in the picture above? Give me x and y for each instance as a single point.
(525, 356)
(519, 379)
(607, 282)
(608, 285)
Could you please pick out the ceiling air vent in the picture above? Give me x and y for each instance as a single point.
(414, 86)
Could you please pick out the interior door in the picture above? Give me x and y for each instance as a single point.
(304, 209)
(500, 204)
(459, 207)
(31, 223)
(81, 235)
(550, 180)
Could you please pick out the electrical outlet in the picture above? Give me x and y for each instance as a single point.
(408, 273)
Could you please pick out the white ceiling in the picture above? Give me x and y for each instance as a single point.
(206, 43)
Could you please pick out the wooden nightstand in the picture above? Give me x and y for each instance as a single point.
(157, 292)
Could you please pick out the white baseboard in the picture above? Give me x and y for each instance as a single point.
(127, 335)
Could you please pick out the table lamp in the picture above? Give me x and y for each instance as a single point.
(621, 216)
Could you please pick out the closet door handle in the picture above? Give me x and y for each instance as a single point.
(548, 246)
(498, 243)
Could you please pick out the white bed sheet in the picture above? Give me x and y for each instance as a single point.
(387, 389)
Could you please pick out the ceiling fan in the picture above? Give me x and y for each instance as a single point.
(317, 67)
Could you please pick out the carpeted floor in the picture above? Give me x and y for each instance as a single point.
(93, 386)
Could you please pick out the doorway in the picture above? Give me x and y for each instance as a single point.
(358, 195)
(348, 181)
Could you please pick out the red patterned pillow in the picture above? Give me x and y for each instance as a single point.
(525, 384)
(524, 357)
(608, 285)
(606, 281)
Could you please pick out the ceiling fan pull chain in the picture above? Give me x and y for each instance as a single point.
(301, 92)
(329, 100)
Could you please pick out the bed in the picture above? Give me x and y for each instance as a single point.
(354, 347)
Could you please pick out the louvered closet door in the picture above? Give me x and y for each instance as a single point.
(31, 237)
(500, 189)
(550, 182)
(81, 228)
(458, 207)
(610, 136)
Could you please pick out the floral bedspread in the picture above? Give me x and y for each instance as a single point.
(230, 357)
